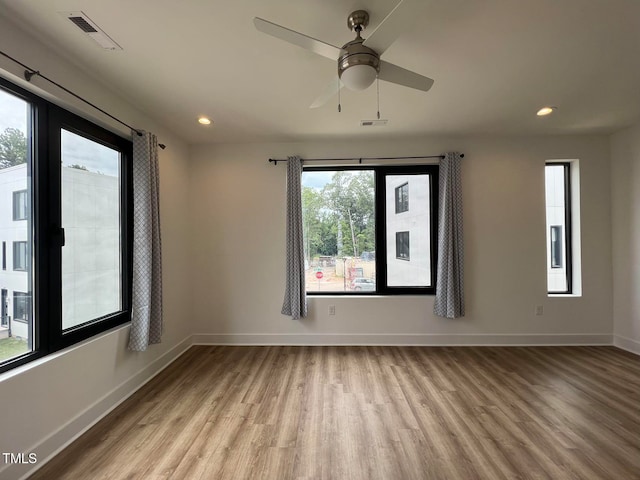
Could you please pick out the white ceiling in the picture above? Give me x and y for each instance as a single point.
(494, 62)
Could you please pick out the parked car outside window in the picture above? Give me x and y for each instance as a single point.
(363, 284)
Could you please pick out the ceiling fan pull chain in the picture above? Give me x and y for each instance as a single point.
(339, 106)
(378, 90)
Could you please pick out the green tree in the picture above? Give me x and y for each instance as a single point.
(351, 196)
(345, 204)
(312, 205)
(13, 148)
(319, 224)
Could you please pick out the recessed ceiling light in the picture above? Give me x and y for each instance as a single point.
(545, 111)
(204, 121)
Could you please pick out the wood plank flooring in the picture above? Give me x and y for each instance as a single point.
(364, 413)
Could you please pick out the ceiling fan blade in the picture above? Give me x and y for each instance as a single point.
(401, 17)
(329, 92)
(394, 74)
(316, 46)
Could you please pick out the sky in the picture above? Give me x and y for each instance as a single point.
(76, 150)
(319, 178)
(13, 112)
(316, 180)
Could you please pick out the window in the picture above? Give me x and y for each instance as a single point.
(402, 245)
(71, 185)
(21, 307)
(20, 205)
(558, 213)
(354, 240)
(4, 310)
(402, 198)
(91, 218)
(556, 246)
(20, 256)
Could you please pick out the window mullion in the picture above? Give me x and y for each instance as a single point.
(381, 232)
(53, 217)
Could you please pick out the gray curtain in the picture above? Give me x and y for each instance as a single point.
(295, 297)
(449, 301)
(146, 315)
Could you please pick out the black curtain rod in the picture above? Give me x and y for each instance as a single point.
(360, 159)
(29, 73)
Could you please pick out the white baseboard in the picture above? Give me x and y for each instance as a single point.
(67, 433)
(628, 344)
(400, 339)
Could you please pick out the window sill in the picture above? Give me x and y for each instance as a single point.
(38, 358)
(370, 295)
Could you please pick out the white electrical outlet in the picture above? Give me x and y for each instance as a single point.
(539, 310)
(332, 309)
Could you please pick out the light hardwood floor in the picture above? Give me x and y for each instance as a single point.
(372, 413)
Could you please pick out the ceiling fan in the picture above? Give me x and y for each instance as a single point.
(359, 62)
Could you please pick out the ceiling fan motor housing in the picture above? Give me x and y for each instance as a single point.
(358, 65)
(355, 54)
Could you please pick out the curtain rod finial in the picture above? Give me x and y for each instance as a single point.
(29, 74)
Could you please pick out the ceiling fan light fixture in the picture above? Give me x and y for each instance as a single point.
(358, 77)
(358, 66)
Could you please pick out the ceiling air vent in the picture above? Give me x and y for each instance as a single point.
(84, 23)
(373, 123)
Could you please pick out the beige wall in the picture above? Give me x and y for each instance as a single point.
(625, 182)
(237, 205)
(47, 402)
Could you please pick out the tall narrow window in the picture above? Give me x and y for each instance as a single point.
(558, 214)
(402, 245)
(21, 307)
(20, 205)
(402, 198)
(556, 246)
(20, 256)
(411, 265)
(4, 310)
(91, 218)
